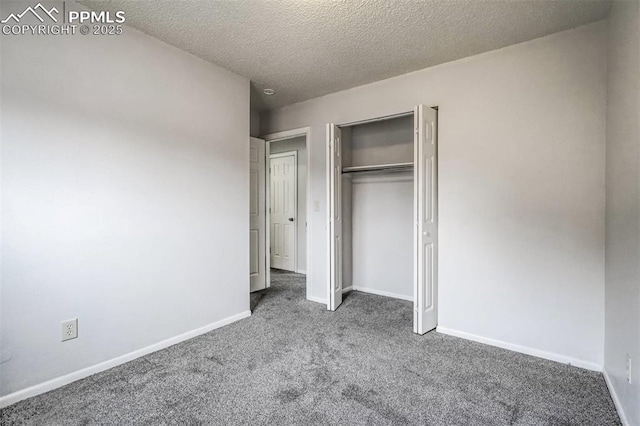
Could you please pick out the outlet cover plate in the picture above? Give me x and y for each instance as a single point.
(69, 329)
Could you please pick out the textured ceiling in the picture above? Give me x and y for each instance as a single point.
(308, 48)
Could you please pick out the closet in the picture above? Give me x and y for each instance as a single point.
(382, 193)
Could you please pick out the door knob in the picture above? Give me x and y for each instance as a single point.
(290, 219)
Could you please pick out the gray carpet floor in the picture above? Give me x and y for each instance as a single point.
(292, 362)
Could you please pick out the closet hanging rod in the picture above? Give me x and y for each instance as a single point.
(378, 167)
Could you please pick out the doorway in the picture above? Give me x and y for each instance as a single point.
(283, 226)
(287, 193)
(285, 205)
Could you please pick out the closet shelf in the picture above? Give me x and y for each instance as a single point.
(378, 167)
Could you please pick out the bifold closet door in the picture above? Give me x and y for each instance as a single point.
(425, 314)
(334, 198)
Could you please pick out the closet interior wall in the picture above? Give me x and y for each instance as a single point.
(378, 208)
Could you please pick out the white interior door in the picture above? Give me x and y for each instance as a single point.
(283, 198)
(425, 314)
(334, 197)
(257, 212)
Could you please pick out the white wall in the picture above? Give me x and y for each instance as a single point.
(380, 142)
(521, 157)
(255, 123)
(382, 226)
(622, 284)
(125, 202)
(299, 145)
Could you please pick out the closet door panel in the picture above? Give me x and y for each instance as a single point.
(426, 220)
(334, 197)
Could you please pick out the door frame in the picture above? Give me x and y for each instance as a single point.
(293, 154)
(277, 137)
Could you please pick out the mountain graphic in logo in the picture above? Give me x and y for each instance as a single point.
(33, 11)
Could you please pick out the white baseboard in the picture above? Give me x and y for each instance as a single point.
(347, 289)
(380, 293)
(616, 401)
(522, 349)
(317, 299)
(52, 384)
(301, 271)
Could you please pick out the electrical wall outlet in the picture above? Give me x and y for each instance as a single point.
(628, 368)
(69, 329)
